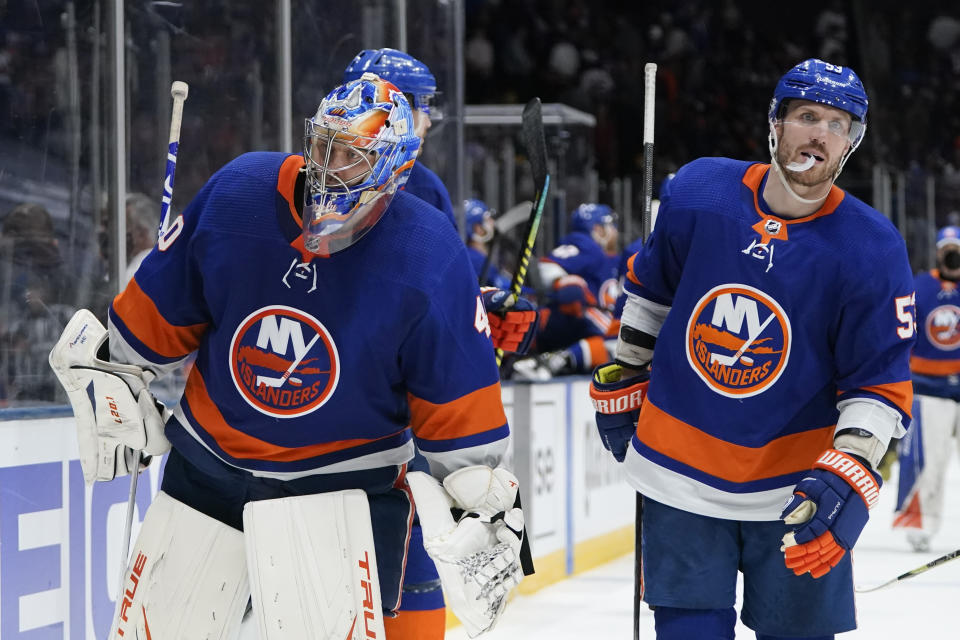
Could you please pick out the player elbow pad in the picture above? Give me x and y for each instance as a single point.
(635, 347)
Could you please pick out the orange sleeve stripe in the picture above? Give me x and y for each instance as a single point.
(899, 393)
(685, 443)
(476, 412)
(243, 446)
(142, 318)
(930, 367)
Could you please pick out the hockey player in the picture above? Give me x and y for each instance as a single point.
(327, 342)
(777, 312)
(581, 274)
(512, 326)
(419, 85)
(478, 233)
(926, 451)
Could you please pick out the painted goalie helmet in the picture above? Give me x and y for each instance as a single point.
(359, 148)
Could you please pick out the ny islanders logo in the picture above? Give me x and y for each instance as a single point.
(738, 340)
(942, 329)
(284, 362)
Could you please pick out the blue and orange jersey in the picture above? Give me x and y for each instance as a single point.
(771, 324)
(308, 364)
(426, 185)
(937, 352)
(580, 255)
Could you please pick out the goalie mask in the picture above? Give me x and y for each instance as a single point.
(359, 148)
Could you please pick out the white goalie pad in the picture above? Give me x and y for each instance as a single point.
(114, 410)
(477, 557)
(187, 578)
(313, 569)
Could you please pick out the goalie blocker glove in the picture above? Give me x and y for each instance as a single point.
(617, 401)
(831, 505)
(116, 414)
(477, 554)
(513, 320)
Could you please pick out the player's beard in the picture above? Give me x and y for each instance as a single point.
(818, 174)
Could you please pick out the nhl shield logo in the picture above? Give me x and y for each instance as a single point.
(941, 326)
(738, 340)
(284, 362)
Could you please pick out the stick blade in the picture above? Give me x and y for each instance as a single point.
(534, 141)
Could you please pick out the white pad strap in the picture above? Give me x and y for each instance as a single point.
(187, 577)
(478, 557)
(113, 407)
(313, 568)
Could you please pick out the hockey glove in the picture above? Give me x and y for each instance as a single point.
(115, 412)
(831, 505)
(513, 320)
(617, 402)
(571, 295)
(478, 554)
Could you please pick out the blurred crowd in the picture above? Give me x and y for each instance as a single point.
(718, 62)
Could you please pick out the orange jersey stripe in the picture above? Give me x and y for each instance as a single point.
(754, 176)
(244, 446)
(929, 367)
(632, 278)
(899, 393)
(142, 318)
(598, 350)
(476, 412)
(725, 460)
(286, 184)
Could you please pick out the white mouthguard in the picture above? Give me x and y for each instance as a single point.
(802, 166)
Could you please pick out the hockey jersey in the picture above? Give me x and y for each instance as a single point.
(580, 255)
(307, 364)
(771, 323)
(428, 186)
(936, 359)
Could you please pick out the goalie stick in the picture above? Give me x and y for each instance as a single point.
(178, 91)
(953, 555)
(649, 95)
(536, 146)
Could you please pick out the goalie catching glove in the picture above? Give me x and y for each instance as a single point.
(478, 554)
(115, 412)
(831, 505)
(617, 401)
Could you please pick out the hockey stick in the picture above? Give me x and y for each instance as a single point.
(536, 145)
(178, 90)
(504, 223)
(953, 555)
(649, 95)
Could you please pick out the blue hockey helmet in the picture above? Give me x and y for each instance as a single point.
(829, 84)
(359, 148)
(475, 212)
(586, 216)
(948, 235)
(409, 75)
